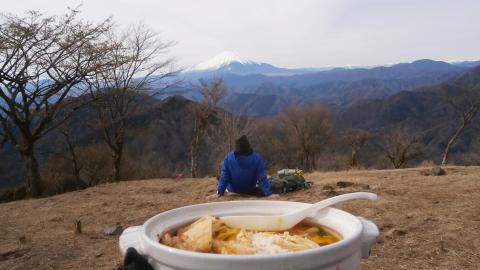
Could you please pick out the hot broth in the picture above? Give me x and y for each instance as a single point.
(211, 235)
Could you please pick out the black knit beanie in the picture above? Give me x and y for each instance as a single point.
(242, 147)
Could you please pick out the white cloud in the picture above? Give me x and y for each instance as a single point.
(297, 33)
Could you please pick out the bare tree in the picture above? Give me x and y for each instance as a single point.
(43, 62)
(473, 157)
(212, 92)
(120, 90)
(220, 138)
(94, 160)
(309, 128)
(234, 126)
(68, 151)
(72, 156)
(274, 145)
(355, 139)
(466, 104)
(400, 146)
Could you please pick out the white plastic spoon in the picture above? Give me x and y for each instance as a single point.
(288, 220)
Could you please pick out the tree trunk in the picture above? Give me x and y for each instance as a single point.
(79, 184)
(305, 161)
(195, 145)
(33, 182)
(193, 167)
(314, 164)
(353, 159)
(451, 142)
(117, 160)
(194, 156)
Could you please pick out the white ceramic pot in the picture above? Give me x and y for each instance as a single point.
(358, 237)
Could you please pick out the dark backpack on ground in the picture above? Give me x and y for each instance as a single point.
(287, 181)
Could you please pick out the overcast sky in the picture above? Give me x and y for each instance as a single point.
(296, 33)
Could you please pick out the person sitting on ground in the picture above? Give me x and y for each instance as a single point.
(242, 170)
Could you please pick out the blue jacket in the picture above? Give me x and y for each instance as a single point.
(241, 175)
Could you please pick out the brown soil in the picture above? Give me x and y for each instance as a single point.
(426, 222)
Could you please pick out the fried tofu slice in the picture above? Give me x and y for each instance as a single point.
(198, 236)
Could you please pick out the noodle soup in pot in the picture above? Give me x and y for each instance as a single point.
(168, 241)
(209, 234)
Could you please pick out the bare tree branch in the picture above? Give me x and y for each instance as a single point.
(213, 93)
(119, 90)
(355, 139)
(466, 104)
(43, 61)
(400, 146)
(309, 128)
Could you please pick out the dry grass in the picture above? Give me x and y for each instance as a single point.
(439, 216)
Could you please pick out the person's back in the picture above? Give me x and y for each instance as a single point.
(244, 173)
(242, 170)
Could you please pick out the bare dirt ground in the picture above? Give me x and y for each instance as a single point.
(426, 222)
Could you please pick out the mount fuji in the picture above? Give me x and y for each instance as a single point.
(228, 62)
(222, 60)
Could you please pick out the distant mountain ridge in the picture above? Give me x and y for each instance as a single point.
(228, 62)
(467, 63)
(337, 88)
(423, 111)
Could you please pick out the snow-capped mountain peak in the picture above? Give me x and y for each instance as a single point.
(228, 62)
(220, 60)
